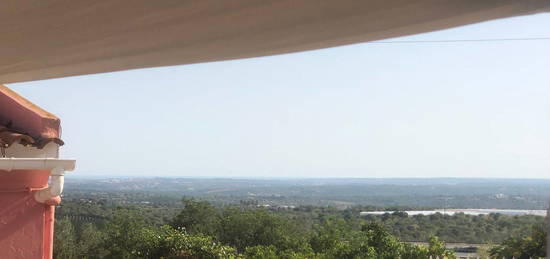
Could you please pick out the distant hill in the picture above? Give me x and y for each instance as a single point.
(408, 192)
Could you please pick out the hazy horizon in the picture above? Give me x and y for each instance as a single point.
(463, 109)
(77, 175)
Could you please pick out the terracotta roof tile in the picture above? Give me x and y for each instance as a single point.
(9, 137)
(24, 123)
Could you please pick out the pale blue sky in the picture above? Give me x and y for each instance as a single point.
(368, 110)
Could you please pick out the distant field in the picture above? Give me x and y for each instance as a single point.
(422, 193)
(474, 212)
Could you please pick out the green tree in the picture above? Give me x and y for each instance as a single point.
(335, 240)
(252, 227)
(437, 248)
(329, 235)
(168, 242)
(65, 243)
(91, 242)
(531, 246)
(128, 237)
(261, 252)
(196, 217)
(125, 236)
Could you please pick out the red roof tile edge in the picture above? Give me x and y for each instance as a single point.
(23, 122)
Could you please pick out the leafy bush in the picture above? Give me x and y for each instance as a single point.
(233, 233)
(531, 246)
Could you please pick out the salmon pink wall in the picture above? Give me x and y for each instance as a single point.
(26, 226)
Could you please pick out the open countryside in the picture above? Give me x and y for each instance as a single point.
(310, 222)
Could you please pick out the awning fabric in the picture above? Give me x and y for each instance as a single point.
(47, 39)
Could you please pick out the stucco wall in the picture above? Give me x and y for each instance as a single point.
(26, 226)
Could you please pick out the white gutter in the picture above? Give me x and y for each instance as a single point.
(56, 166)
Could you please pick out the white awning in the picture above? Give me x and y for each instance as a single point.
(48, 39)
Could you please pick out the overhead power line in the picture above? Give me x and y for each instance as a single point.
(460, 40)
